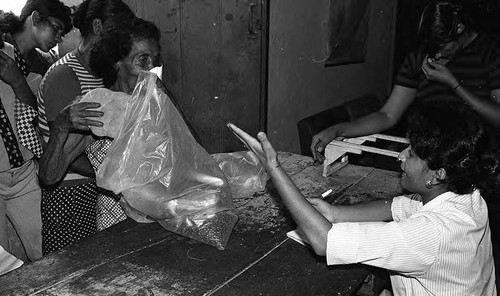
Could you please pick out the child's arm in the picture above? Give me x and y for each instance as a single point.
(377, 210)
(309, 220)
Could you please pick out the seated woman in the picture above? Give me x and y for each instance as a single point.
(455, 62)
(126, 45)
(436, 240)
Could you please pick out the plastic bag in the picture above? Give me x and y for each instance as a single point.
(164, 174)
(113, 105)
(243, 171)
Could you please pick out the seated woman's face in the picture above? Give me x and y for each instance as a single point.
(143, 55)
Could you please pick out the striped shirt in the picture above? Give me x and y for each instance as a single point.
(440, 248)
(476, 67)
(48, 108)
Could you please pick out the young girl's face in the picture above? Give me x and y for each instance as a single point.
(415, 171)
(48, 33)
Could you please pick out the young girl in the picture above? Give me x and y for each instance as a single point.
(41, 25)
(435, 241)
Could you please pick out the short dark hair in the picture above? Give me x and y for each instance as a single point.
(438, 24)
(115, 43)
(89, 10)
(10, 23)
(453, 137)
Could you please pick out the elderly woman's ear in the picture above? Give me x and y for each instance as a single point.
(97, 26)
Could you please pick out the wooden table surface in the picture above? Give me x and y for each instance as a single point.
(144, 259)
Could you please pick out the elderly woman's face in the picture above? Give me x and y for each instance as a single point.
(144, 55)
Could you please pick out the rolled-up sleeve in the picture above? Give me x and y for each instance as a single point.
(404, 206)
(409, 247)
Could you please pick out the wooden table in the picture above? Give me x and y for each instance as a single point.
(144, 259)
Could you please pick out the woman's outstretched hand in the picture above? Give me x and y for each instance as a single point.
(262, 148)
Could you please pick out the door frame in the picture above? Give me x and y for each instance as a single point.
(264, 67)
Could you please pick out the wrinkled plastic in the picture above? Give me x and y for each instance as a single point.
(113, 105)
(243, 171)
(164, 174)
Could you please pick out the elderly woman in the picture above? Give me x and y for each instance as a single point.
(137, 48)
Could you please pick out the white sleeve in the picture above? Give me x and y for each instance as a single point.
(408, 247)
(404, 206)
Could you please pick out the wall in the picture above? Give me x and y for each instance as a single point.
(299, 84)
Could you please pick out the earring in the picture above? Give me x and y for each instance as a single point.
(428, 184)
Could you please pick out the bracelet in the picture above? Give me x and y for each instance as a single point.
(456, 86)
(279, 165)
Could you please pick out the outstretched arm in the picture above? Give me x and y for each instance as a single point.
(397, 103)
(312, 222)
(371, 211)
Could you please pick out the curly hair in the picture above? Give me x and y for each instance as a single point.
(10, 23)
(454, 138)
(115, 43)
(90, 10)
(438, 24)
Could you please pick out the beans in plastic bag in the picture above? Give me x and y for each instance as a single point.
(164, 174)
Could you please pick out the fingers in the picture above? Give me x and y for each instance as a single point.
(315, 141)
(86, 105)
(238, 133)
(267, 148)
(250, 142)
(266, 145)
(90, 113)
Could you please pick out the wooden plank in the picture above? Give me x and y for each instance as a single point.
(294, 270)
(351, 147)
(144, 259)
(391, 138)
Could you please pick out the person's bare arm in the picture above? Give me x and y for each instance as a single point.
(68, 139)
(394, 108)
(312, 222)
(377, 210)
(60, 152)
(487, 108)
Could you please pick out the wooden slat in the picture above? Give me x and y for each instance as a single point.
(363, 148)
(392, 138)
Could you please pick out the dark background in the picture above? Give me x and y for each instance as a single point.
(486, 14)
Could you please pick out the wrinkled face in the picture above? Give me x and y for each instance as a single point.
(144, 55)
(415, 171)
(48, 32)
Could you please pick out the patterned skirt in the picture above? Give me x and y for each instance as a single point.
(68, 214)
(109, 211)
